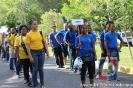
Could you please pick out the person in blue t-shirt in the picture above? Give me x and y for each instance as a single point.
(103, 50)
(85, 45)
(60, 39)
(112, 47)
(56, 47)
(70, 41)
(93, 35)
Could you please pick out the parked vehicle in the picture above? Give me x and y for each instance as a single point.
(128, 39)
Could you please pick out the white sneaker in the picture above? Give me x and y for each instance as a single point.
(97, 77)
(58, 66)
(18, 76)
(3, 59)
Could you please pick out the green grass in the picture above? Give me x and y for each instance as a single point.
(125, 59)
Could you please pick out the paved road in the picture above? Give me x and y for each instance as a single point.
(58, 78)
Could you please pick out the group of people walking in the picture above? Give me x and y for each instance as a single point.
(27, 48)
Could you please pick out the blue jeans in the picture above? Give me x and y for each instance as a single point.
(11, 62)
(39, 57)
(3, 53)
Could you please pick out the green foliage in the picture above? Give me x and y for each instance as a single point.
(46, 5)
(15, 12)
(49, 19)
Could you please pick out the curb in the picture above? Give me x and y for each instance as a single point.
(126, 70)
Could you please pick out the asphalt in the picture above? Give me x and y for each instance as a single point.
(59, 78)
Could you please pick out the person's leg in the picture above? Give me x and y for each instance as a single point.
(7, 53)
(18, 68)
(74, 57)
(60, 56)
(41, 58)
(70, 58)
(65, 55)
(3, 53)
(101, 63)
(35, 67)
(90, 66)
(56, 56)
(83, 71)
(26, 65)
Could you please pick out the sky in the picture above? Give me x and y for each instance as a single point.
(3, 29)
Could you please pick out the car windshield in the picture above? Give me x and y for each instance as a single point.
(128, 34)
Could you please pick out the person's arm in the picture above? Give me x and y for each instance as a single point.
(16, 44)
(77, 44)
(27, 44)
(101, 40)
(106, 45)
(47, 50)
(93, 46)
(56, 37)
(121, 42)
(29, 53)
(17, 52)
(11, 39)
(65, 39)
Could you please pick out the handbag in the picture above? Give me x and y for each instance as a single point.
(87, 57)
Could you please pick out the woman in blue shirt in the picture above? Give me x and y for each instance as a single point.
(86, 49)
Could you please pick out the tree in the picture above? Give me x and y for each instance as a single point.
(48, 19)
(46, 5)
(14, 12)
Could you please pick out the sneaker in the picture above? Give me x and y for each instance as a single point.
(74, 71)
(66, 67)
(38, 81)
(70, 69)
(11, 68)
(29, 84)
(97, 77)
(18, 76)
(62, 67)
(58, 66)
(3, 59)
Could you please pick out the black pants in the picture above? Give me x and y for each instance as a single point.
(64, 49)
(26, 65)
(73, 54)
(90, 67)
(58, 56)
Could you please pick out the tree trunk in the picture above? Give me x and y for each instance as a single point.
(128, 45)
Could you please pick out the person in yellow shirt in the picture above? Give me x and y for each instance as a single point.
(11, 48)
(21, 52)
(0, 42)
(35, 42)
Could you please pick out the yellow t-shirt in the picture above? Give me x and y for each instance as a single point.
(12, 39)
(17, 43)
(0, 39)
(34, 39)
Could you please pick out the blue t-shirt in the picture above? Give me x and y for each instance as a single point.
(61, 35)
(55, 44)
(102, 36)
(87, 42)
(70, 37)
(93, 35)
(111, 38)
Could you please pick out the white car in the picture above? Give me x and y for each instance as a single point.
(125, 40)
